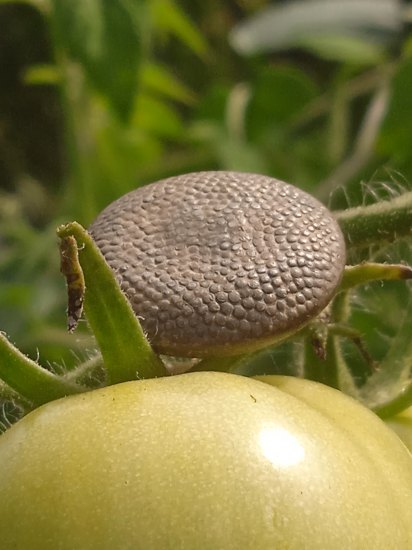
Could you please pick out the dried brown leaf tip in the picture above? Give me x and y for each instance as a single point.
(71, 269)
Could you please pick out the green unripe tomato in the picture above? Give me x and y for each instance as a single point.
(204, 461)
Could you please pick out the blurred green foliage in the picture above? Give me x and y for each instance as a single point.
(99, 97)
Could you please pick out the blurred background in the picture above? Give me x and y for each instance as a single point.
(100, 97)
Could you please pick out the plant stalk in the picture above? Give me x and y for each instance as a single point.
(378, 223)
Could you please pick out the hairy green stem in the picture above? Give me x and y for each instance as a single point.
(378, 223)
(389, 390)
(90, 373)
(401, 402)
(7, 394)
(29, 379)
(324, 369)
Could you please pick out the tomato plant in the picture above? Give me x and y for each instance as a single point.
(112, 452)
(207, 460)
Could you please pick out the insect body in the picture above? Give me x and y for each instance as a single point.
(221, 262)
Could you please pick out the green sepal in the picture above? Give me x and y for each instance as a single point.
(26, 377)
(126, 352)
(367, 272)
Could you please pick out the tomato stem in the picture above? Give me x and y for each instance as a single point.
(29, 379)
(321, 369)
(377, 223)
(126, 352)
(389, 390)
(402, 401)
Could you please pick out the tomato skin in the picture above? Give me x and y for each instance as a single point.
(208, 461)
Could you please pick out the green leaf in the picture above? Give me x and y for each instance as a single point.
(167, 16)
(103, 37)
(159, 79)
